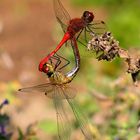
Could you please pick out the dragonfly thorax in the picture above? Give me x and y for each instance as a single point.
(59, 78)
(56, 77)
(75, 25)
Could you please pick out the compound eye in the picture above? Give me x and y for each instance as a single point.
(90, 17)
(45, 68)
(85, 14)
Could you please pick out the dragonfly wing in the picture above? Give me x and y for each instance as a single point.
(63, 92)
(47, 87)
(97, 27)
(63, 123)
(62, 15)
(68, 92)
(81, 119)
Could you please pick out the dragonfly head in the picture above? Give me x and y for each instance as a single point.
(48, 69)
(88, 16)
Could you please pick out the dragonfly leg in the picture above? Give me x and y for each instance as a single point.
(89, 30)
(97, 23)
(78, 38)
(67, 61)
(82, 43)
(85, 31)
(58, 58)
(79, 34)
(58, 61)
(51, 61)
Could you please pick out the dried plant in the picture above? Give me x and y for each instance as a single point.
(107, 48)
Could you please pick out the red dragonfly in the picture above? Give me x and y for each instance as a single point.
(72, 28)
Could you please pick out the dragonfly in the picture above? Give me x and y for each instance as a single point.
(58, 89)
(72, 28)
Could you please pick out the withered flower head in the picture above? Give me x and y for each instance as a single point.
(107, 48)
(104, 45)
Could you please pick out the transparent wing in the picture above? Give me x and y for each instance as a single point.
(69, 92)
(63, 124)
(47, 87)
(97, 27)
(81, 119)
(62, 15)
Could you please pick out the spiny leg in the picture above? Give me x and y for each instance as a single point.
(51, 61)
(58, 61)
(79, 40)
(79, 34)
(89, 31)
(97, 23)
(67, 61)
(85, 34)
(58, 58)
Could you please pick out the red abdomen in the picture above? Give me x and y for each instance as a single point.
(75, 25)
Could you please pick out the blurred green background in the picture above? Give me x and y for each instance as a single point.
(29, 31)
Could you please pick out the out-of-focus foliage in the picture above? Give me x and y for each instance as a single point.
(8, 91)
(106, 3)
(126, 20)
(48, 126)
(7, 130)
(4, 123)
(30, 133)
